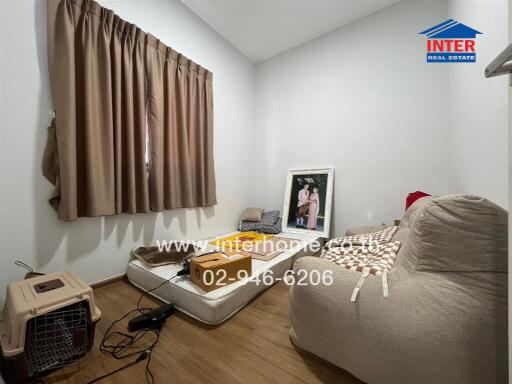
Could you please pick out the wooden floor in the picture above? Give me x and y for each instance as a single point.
(251, 347)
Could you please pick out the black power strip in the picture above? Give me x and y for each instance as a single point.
(154, 319)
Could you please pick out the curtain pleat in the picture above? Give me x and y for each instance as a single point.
(156, 113)
(133, 127)
(208, 166)
(93, 125)
(181, 131)
(171, 158)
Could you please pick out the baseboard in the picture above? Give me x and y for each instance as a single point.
(108, 281)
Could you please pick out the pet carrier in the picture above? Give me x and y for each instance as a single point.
(47, 322)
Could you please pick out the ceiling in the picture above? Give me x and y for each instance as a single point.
(261, 29)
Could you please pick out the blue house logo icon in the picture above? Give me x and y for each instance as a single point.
(451, 42)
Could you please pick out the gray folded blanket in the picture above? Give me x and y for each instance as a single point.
(270, 223)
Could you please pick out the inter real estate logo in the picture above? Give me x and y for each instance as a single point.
(451, 42)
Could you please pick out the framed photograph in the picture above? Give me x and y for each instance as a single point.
(308, 200)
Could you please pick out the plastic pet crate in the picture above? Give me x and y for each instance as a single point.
(47, 322)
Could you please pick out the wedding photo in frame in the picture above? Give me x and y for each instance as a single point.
(308, 200)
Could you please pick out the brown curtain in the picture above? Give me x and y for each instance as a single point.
(117, 89)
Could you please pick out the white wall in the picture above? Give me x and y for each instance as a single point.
(361, 99)
(478, 107)
(98, 248)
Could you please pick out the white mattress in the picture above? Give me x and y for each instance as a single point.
(216, 306)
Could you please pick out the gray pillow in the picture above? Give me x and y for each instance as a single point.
(458, 233)
(270, 217)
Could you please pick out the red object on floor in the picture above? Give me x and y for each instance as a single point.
(413, 196)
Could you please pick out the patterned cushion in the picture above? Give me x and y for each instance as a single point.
(261, 226)
(375, 238)
(378, 259)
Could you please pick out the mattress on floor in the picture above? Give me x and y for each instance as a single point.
(216, 306)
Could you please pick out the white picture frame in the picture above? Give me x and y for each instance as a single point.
(296, 180)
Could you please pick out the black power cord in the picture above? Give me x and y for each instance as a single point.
(141, 357)
(121, 348)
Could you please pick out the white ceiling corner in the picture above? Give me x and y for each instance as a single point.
(261, 29)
